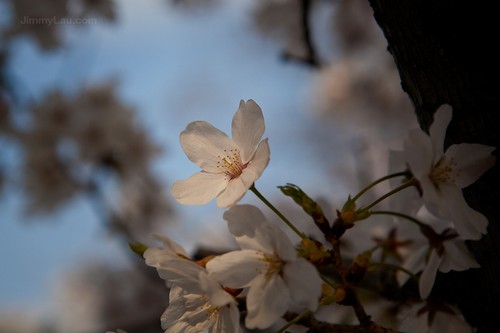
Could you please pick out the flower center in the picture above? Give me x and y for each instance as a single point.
(274, 265)
(211, 312)
(231, 163)
(443, 172)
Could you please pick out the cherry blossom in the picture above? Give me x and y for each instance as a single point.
(268, 265)
(443, 174)
(196, 301)
(434, 317)
(229, 166)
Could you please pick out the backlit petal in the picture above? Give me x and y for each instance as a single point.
(228, 321)
(435, 198)
(273, 240)
(268, 299)
(170, 250)
(203, 143)
(419, 153)
(237, 269)
(200, 188)
(472, 160)
(457, 257)
(256, 166)
(183, 273)
(247, 128)
(235, 190)
(304, 283)
(216, 295)
(428, 276)
(469, 223)
(243, 219)
(414, 263)
(437, 130)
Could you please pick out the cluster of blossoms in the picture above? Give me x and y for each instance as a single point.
(276, 284)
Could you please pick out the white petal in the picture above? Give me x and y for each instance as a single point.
(256, 166)
(200, 188)
(273, 240)
(235, 190)
(419, 153)
(446, 322)
(407, 201)
(228, 321)
(414, 263)
(173, 327)
(435, 198)
(154, 256)
(170, 245)
(181, 305)
(304, 283)
(199, 319)
(247, 128)
(237, 269)
(437, 130)
(267, 300)
(175, 308)
(183, 273)
(203, 143)
(428, 276)
(457, 257)
(470, 224)
(216, 295)
(472, 161)
(243, 219)
(170, 250)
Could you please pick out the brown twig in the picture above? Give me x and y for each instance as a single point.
(310, 57)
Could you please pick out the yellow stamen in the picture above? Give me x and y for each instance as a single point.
(443, 172)
(231, 163)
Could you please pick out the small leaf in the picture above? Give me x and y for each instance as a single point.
(310, 206)
(138, 248)
(349, 206)
(312, 250)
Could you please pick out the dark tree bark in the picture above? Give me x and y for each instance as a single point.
(445, 53)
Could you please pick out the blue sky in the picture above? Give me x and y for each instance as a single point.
(175, 66)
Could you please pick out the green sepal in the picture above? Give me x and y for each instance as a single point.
(138, 248)
(349, 206)
(310, 206)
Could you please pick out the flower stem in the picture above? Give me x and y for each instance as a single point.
(276, 211)
(402, 215)
(328, 282)
(378, 181)
(293, 321)
(409, 183)
(395, 267)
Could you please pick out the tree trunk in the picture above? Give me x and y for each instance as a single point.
(444, 51)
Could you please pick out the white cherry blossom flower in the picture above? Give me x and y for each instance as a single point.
(433, 317)
(229, 166)
(439, 250)
(453, 255)
(443, 175)
(171, 250)
(197, 303)
(268, 265)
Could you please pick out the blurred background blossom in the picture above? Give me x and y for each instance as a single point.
(93, 96)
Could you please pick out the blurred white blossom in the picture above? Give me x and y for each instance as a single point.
(433, 317)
